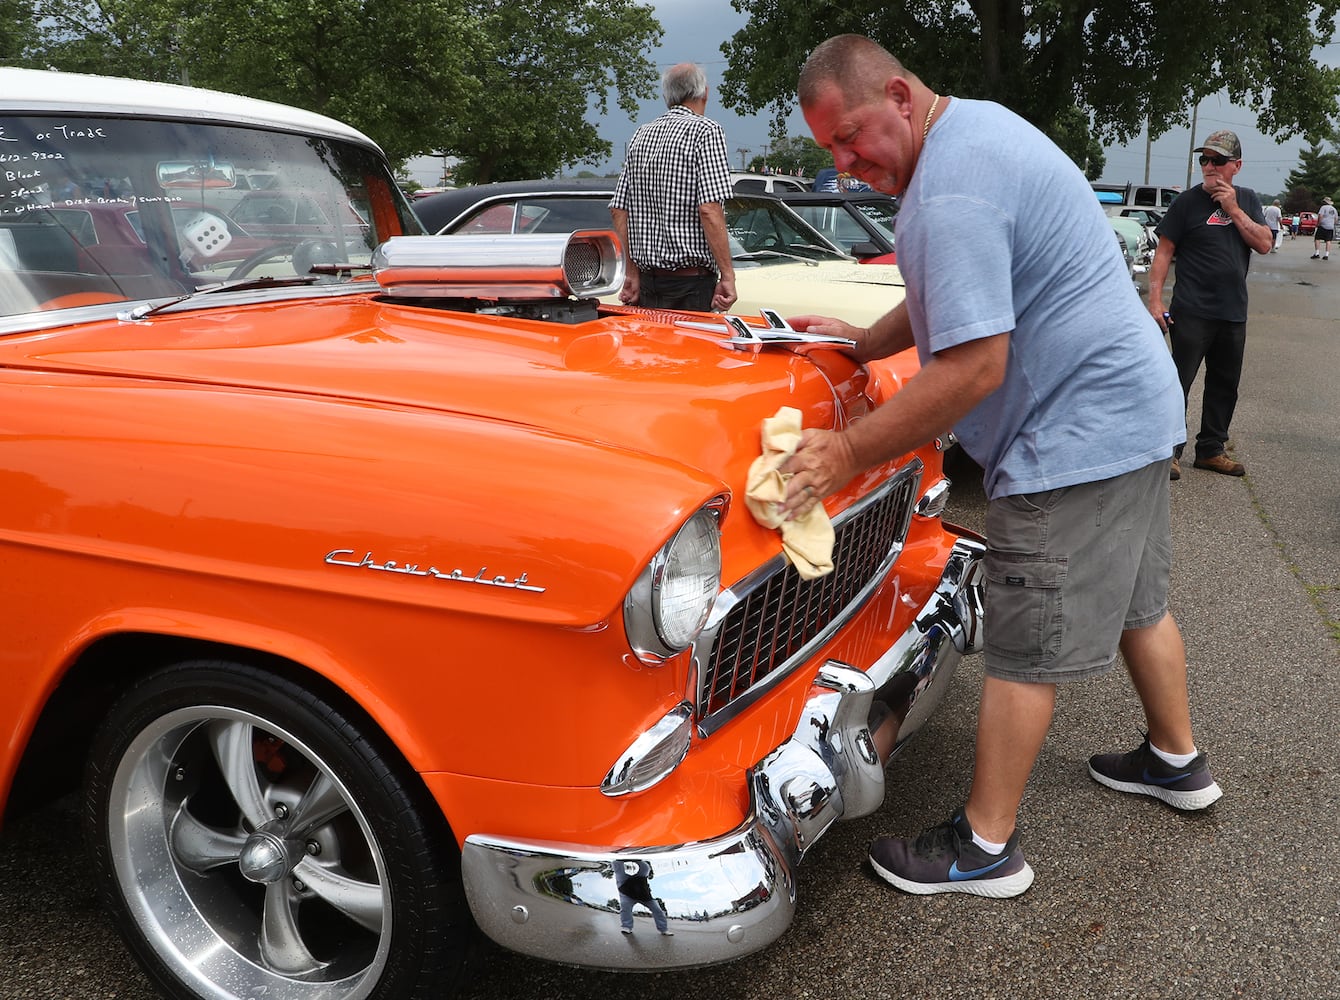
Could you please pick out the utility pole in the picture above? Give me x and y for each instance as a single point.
(743, 151)
(1149, 142)
(1191, 145)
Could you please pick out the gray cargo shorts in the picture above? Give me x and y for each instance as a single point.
(1068, 570)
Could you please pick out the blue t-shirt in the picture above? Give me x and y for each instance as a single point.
(999, 232)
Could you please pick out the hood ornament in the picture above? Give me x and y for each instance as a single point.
(777, 333)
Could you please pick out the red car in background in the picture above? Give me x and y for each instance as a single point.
(1307, 223)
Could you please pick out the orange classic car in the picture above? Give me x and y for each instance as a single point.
(375, 588)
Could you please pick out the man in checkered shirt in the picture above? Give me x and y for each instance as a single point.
(668, 204)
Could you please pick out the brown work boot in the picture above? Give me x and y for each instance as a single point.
(1221, 463)
(1175, 473)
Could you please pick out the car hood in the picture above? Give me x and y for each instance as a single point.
(423, 411)
(851, 291)
(619, 378)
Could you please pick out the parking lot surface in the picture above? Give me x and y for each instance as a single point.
(1132, 899)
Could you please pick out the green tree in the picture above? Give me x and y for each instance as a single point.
(505, 85)
(1316, 176)
(1299, 199)
(1087, 72)
(392, 68)
(139, 39)
(798, 155)
(543, 64)
(18, 31)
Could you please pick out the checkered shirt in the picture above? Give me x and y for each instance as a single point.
(674, 164)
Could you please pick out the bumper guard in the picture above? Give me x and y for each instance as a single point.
(716, 900)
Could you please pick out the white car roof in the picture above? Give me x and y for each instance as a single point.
(29, 91)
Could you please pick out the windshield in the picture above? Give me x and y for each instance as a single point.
(767, 227)
(109, 209)
(883, 215)
(841, 223)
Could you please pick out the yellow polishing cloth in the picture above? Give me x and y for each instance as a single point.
(808, 540)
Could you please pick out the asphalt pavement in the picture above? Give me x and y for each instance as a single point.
(1132, 899)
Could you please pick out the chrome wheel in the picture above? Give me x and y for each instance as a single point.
(245, 861)
(256, 840)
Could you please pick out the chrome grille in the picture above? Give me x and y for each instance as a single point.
(769, 622)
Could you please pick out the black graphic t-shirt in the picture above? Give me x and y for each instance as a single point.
(1211, 257)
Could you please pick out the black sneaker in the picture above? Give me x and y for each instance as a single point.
(1144, 772)
(944, 859)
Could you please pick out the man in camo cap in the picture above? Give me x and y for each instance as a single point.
(1213, 229)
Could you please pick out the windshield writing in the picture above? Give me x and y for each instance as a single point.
(112, 210)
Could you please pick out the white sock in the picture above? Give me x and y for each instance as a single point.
(990, 846)
(1174, 759)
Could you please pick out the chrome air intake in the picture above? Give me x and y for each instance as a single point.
(501, 267)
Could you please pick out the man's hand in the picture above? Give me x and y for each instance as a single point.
(820, 466)
(632, 287)
(724, 296)
(1156, 310)
(1221, 189)
(827, 326)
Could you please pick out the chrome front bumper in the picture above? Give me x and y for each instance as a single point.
(724, 898)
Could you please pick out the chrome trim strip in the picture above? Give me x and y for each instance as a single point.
(722, 898)
(705, 645)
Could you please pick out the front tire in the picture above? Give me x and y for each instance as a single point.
(253, 838)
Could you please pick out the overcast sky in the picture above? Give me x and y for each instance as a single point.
(696, 29)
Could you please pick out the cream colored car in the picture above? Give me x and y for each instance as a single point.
(781, 262)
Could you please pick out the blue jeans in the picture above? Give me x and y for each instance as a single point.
(626, 904)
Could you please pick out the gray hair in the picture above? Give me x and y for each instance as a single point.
(683, 82)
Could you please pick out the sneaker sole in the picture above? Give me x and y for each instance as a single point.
(992, 888)
(1186, 801)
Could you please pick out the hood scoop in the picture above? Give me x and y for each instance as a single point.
(556, 276)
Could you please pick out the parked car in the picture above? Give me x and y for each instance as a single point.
(1135, 243)
(747, 183)
(398, 586)
(831, 179)
(781, 261)
(1141, 236)
(283, 214)
(1137, 195)
(1147, 217)
(1307, 223)
(860, 222)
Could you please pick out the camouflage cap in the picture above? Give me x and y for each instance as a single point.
(1223, 142)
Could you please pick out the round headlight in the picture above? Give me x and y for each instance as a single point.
(683, 591)
(669, 604)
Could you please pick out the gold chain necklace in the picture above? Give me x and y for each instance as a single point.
(926, 129)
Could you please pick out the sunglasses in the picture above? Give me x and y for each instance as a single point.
(1218, 161)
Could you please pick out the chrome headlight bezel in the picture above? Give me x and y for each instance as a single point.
(653, 755)
(668, 605)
